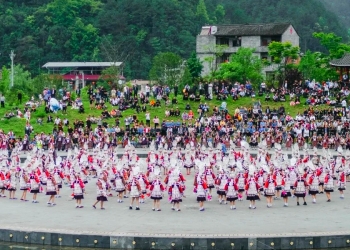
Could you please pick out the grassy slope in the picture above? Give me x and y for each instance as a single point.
(17, 125)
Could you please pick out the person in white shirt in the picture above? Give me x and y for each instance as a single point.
(343, 103)
(263, 87)
(210, 90)
(147, 90)
(148, 118)
(57, 121)
(113, 93)
(336, 85)
(312, 84)
(326, 90)
(154, 90)
(167, 113)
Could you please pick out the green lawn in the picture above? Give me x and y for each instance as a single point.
(17, 125)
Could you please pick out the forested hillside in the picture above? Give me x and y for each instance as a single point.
(341, 9)
(135, 31)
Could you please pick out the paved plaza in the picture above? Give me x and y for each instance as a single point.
(217, 220)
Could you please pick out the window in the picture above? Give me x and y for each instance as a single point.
(264, 56)
(236, 41)
(224, 58)
(222, 41)
(266, 40)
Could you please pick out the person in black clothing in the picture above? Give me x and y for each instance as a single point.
(206, 89)
(135, 90)
(90, 91)
(47, 109)
(19, 97)
(138, 108)
(53, 93)
(174, 101)
(176, 89)
(133, 130)
(49, 119)
(88, 123)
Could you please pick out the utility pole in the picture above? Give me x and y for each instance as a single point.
(12, 56)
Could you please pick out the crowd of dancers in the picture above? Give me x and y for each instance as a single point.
(230, 176)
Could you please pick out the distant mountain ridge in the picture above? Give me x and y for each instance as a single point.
(340, 8)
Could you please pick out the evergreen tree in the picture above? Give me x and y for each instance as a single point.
(194, 66)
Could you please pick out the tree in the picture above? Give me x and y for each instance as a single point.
(46, 81)
(316, 66)
(220, 14)
(283, 54)
(5, 80)
(333, 44)
(243, 66)
(202, 13)
(194, 66)
(167, 68)
(41, 31)
(111, 75)
(216, 51)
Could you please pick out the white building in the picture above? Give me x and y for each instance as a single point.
(256, 36)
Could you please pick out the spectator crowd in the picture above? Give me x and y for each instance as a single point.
(198, 123)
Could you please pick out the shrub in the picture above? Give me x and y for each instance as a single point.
(40, 114)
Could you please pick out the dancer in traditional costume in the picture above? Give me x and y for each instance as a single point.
(2, 183)
(34, 185)
(11, 183)
(292, 173)
(78, 187)
(252, 188)
(134, 188)
(101, 185)
(300, 186)
(201, 189)
(231, 189)
(321, 172)
(220, 182)
(43, 178)
(314, 186)
(175, 193)
(23, 184)
(143, 182)
(328, 184)
(341, 182)
(119, 183)
(59, 176)
(209, 178)
(156, 189)
(269, 189)
(286, 189)
(188, 161)
(51, 188)
(277, 176)
(241, 182)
